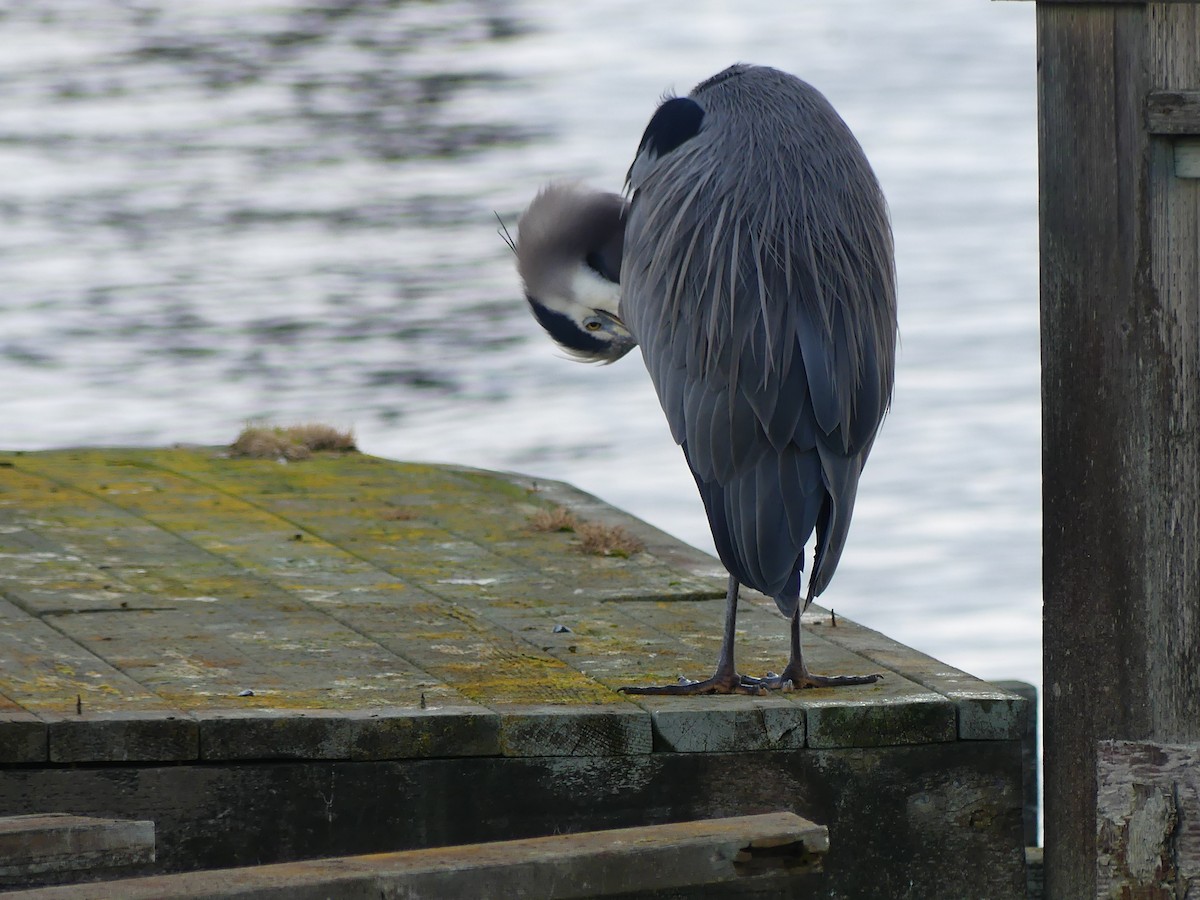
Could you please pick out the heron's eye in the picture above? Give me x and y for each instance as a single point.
(591, 324)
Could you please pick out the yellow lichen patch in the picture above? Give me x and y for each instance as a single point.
(291, 442)
(512, 678)
(605, 540)
(554, 519)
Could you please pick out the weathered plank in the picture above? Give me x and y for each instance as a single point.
(123, 736)
(23, 736)
(1147, 819)
(356, 734)
(92, 710)
(59, 847)
(680, 557)
(620, 649)
(894, 710)
(985, 712)
(559, 867)
(393, 526)
(126, 590)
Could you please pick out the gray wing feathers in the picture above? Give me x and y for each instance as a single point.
(757, 280)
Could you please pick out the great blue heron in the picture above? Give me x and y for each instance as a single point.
(753, 265)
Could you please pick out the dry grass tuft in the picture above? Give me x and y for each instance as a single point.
(608, 540)
(597, 540)
(292, 442)
(556, 519)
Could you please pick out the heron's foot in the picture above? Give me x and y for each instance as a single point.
(795, 678)
(721, 683)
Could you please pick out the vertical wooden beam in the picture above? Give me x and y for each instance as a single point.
(1088, 202)
(1121, 406)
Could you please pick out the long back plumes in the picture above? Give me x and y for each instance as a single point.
(758, 279)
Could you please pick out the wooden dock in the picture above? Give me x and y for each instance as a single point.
(342, 655)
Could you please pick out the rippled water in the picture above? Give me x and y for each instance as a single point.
(238, 209)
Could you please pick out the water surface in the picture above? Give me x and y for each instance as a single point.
(245, 210)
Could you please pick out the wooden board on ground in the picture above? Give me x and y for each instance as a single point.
(58, 845)
(776, 851)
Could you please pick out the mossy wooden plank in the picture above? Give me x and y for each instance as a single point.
(556, 730)
(618, 650)
(242, 632)
(493, 668)
(386, 508)
(686, 561)
(985, 712)
(647, 643)
(41, 518)
(51, 676)
(763, 644)
(365, 734)
(596, 638)
(23, 736)
(561, 554)
(695, 725)
(881, 722)
(227, 662)
(894, 710)
(91, 711)
(352, 584)
(461, 647)
(124, 736)
(282, 550)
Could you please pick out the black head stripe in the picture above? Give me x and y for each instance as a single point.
(675, 121)
(564, 330)
(603, 263)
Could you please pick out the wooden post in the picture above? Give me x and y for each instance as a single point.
(1120, 300)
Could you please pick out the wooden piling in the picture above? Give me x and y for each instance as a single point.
(1118, 109)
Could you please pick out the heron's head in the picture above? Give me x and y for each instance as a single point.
(569, 257)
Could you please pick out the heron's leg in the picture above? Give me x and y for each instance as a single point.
(796, 674)
(726, 679)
